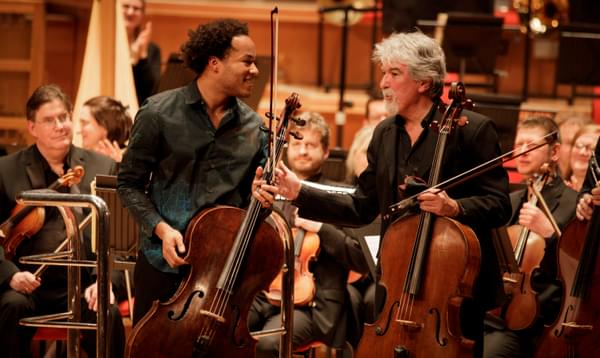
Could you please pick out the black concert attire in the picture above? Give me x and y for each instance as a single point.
(483, 200)
(500, 341)
(146, 73)
(589, 182)
(27, 170)
(329, 316)
(178, 163)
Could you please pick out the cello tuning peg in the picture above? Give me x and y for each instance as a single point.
(463, 121)
(296, 135)
(299, 121)
(468, 104)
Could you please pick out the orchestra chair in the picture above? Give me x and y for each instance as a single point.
(43, 339)
(45, 336)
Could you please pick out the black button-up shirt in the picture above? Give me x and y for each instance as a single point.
(178, 163)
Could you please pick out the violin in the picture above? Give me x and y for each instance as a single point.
(233, 255)
(421, 313)
(522, 309)
(306, 248)
(26, 221)
(576, 331)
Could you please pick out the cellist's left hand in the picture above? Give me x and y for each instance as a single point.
(438, 203)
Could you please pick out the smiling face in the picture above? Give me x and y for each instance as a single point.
(91, 131)
(51, 127)
(581, 153)
(238, 69)
(306, 156)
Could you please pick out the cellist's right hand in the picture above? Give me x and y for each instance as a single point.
(24, 282)
(172, 244)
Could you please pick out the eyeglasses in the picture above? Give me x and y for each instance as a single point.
(587, 147)
(52, 122)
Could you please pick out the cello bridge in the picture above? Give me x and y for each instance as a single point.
(411, 325)
(216, 317)
(574, 325)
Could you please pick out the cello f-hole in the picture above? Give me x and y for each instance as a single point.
(378, 330)
(438, 327)
(186, 306)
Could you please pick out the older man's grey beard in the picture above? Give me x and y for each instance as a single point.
(391, 107)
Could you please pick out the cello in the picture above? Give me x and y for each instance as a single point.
(26, 221)
(420, 316)
(226, 248)
(576, 331)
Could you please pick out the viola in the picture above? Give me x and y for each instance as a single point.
(226, 249)
(576, 331)
(26, 221)
(306, 248)
(522, 309)
(421, 313)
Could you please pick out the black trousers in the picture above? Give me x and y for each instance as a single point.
(15, 340)
(264, 315)
(151, 285)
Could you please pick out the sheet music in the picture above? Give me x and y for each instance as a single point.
(330, 188)
(373, 245)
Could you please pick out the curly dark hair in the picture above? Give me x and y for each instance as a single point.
(211, 39)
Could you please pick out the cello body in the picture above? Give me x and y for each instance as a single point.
(202, 319)
(576, 332)
(430, 327)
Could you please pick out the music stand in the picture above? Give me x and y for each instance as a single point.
(471, 43)
(579, 49)
(504, 112)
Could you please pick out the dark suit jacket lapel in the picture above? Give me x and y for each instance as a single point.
(35, 170)
(552, 194)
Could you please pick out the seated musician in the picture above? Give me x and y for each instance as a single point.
(22, 294)
(500, 341)
(413, 69)
(581, 151)
(105, 126)
(324, 319)
(589, 197)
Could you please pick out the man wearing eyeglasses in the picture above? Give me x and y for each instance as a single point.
(22, 294)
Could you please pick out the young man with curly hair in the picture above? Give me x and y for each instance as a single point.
(190, 148)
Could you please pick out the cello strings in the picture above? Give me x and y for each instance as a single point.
(221, 299)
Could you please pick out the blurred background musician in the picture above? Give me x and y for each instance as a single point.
(105, 126)
(584, 143)
(569, 123)
(145, 54)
